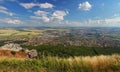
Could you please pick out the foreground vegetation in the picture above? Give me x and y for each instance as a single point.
(54, 64)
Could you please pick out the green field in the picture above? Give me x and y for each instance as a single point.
(24, 32)
(19, 33)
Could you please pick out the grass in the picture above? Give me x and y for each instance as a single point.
(110, 63)
(19, 33)
(24, 32)
(19, 65)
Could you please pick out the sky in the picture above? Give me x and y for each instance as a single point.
(65, 13)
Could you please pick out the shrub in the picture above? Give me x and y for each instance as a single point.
(13, 52)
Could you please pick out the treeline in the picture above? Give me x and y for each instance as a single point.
(68, 51)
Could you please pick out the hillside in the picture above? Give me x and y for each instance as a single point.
(12, 54)
(54, 64)
(16, 51)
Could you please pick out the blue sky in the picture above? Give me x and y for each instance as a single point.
(90, 13)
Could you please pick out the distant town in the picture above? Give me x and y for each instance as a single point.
(90, 37)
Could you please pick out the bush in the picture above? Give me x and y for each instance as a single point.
(13, 52)
(22, 50)
(68, 51)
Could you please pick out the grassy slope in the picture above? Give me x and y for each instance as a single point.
(8, 53)
(52, 64)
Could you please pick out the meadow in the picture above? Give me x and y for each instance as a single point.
(102, 63)
(19, 33)
(24, 32)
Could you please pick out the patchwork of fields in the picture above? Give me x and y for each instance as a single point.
(22, 33)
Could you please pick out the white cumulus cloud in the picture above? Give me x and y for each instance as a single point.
(40, 13)
(10, 21)
(59, 15)
(45, 19)
(43, 15)
(41, 5)
(46, 5)
(85, 6)
(28, 5)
